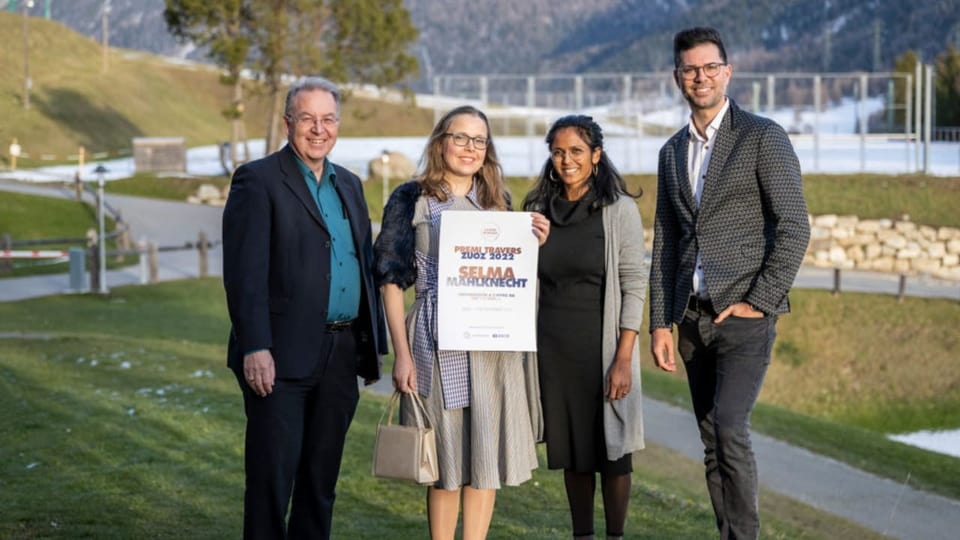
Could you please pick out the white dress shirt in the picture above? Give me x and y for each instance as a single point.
(699, 151)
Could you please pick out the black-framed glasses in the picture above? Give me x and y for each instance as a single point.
(461, 139)
(710, 70)
(329, 121)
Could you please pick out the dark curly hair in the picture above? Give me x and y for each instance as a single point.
(607, 183)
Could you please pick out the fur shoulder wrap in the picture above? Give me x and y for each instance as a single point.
(394, 260)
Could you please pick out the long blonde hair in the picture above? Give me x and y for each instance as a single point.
(491, 190)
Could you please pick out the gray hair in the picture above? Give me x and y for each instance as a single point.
(309, 84)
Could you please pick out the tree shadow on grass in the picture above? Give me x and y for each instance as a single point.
(93, 126)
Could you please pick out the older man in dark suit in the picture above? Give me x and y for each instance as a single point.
(307, 319)
(730, 232)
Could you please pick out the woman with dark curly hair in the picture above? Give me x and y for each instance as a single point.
(590, 310)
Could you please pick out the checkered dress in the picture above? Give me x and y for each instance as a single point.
(454, 365)
(482, 413)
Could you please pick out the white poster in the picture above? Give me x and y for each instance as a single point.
(487, 282)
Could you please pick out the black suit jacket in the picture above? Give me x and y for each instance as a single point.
(751, 227)
(276, 268)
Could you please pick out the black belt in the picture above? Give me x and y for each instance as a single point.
(338, 326)
(700, 305)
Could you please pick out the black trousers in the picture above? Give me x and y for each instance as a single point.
(726, 364)
(294, 444)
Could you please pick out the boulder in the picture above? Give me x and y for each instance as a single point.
(208, 193)
(398, 167)
(953, 246)
(826, 221)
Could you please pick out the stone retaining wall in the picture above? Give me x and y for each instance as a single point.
(884, 245)
(881, 245)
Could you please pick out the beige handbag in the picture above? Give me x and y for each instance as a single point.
(405, 452)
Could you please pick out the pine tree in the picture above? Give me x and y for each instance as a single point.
(947, 87)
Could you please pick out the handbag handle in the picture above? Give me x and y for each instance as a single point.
(419, 411)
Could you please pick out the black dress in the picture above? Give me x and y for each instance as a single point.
(569, 329)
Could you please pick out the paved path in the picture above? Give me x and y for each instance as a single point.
(877, 503)
(167, 223)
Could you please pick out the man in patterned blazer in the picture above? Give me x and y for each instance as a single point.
(730, 232)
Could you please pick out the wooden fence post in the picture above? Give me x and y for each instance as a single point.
(93, 255)
(836, 281)
(142, 252)
(902, 288)
(123, 237)
(6, 244)
(153, 258)
(92, 260)
(202, 251)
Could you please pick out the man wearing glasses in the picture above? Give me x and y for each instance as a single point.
(730, 233)
(306, 317)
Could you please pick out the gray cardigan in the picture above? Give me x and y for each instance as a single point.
(623, 300)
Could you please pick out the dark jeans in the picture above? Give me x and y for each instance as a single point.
(294, 445)
(725, 366)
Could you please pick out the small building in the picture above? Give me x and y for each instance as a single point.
(159, 154)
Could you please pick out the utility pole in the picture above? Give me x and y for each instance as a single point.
(27, 6)
(105, 20)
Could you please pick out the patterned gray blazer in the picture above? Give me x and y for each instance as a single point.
(751, 228)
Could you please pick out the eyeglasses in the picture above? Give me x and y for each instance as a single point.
(329, 121)
(710, 70)
(461, 139)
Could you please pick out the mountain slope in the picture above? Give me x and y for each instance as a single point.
(545, 36)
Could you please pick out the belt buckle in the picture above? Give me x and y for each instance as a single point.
(338, 326)
(699, 305)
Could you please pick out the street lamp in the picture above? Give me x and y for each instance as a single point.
(27, 6)
(385, 174)
(101, 239)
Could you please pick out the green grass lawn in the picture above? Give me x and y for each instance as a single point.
(847, 370)
(158, 187)
(121, 421)
(29, 217)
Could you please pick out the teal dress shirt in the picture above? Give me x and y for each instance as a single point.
(344, 301)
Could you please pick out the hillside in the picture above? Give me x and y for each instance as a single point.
(73, 103)
(544, 36)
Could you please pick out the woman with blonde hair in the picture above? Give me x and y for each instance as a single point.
(477, 402)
